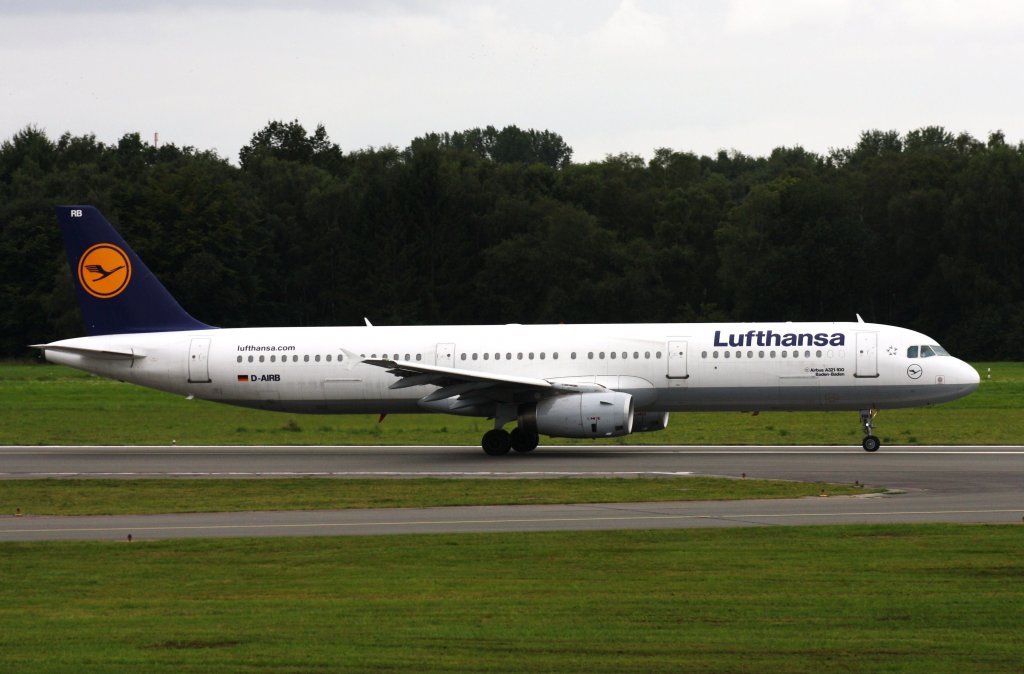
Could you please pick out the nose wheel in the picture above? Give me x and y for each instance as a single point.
(867, 421)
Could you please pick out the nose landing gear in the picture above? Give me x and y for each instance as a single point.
(871, 442)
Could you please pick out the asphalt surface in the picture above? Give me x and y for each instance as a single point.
(936, 484)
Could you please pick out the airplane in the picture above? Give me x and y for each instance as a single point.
(569, 381)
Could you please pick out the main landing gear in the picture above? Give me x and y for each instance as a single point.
(867, 418)
(498, 441)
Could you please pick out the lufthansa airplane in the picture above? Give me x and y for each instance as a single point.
(570, 381)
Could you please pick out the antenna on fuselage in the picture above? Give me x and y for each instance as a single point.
(370, 325)
(859, 319)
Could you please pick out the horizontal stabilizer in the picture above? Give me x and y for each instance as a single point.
(104, 353)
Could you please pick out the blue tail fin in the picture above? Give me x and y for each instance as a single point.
(117, 292)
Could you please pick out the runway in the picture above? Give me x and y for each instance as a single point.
(938, 484)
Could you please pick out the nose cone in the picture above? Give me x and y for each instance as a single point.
(964, 377)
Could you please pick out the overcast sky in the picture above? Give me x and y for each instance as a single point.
(610, 76)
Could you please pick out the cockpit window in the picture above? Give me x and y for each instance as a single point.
(926, 351)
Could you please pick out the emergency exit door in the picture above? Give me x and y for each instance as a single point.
(199, 361)
(867, 355)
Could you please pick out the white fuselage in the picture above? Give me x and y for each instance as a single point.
(664, 367)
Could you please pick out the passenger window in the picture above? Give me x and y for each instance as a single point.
(239, 359)
(572, 355)
(636, 355)
(760, 354)
(657, 354)
(554, 356)
(530, 355)
(612, 355)
(261, 359)
(739, 354)
(273, 359)
(590, 355)
(750, 354)
(463, 357)
(784, 353)
(250, 359)
(328, 358)
(817, 354)
(542, 355)
(703, 354)
(317, 358)
(714, 354)
(474, 356)
(726, 353)
(600, 354)
(772, 354)
(305, 359)
(497, 356)
(419, 356)
(519, 356)
(647, 355)
(487, 356)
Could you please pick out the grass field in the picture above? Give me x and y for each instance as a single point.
(117, 497)
(47, 404)
(935, 598)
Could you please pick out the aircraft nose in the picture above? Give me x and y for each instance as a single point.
(966, 376)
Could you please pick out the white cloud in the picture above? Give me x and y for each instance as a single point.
(615, 76)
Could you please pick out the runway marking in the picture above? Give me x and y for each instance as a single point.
(367, 473)
(537, 520)
(607, 449)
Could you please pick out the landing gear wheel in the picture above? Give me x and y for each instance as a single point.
(522, 441)
(867, 422)
(496, 442)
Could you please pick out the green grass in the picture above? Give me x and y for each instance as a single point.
(46, 404)
(116, 497)
(931, 598)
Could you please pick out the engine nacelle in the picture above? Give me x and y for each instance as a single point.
(582, 415)
(644, 422)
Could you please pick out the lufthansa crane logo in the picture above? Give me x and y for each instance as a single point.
(104, 270)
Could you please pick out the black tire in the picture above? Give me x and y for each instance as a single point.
(496, 442)
(522, 441)
(871, 444)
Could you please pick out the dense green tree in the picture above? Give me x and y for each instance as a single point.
(922, 229)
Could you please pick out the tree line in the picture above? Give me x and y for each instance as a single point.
(923, 229)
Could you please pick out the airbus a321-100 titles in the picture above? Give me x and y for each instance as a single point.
(570, 381)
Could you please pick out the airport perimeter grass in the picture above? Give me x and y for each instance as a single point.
(48, 404)
(118, 497)
(929, 598)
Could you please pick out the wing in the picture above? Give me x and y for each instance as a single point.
(473, 387)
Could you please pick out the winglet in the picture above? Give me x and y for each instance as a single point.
(117, 292)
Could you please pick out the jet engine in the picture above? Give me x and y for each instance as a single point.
(581, 415)
(649, 421)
